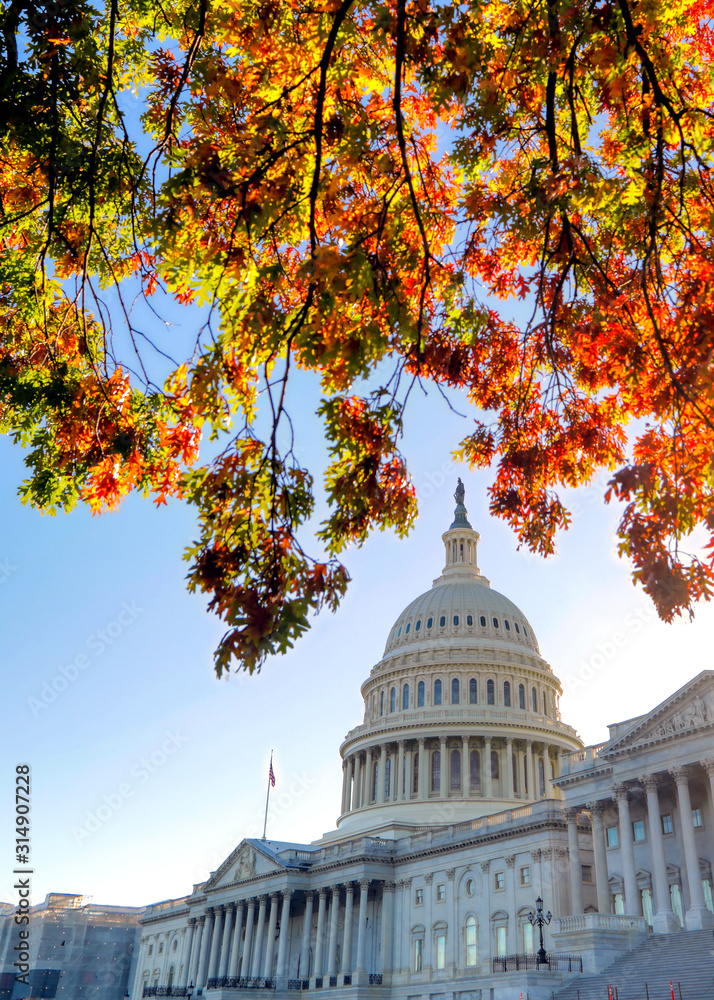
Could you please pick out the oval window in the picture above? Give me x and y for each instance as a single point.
(456, 619)
(517, 629)
(417, 626)
(469, 619)
(430, 623)
(483, 621)
(399, 632)
(442, 621)
(409, 625)
(469, 887)
(495, 622)
(505, 622)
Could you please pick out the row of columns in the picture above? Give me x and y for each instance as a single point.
(665, 919)
(213, 943)
(357, 769)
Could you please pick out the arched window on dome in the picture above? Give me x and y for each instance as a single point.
(495, 622)
(420, 695)
(409, 625)
(521, 697)
(517, 628)
(415, 772)
(494, 765)
(436, 770)
(437, 692)
(381, 704)
(507, 694)
(541, 776)
(456, 619)
(430, 622)
(418, 625)
(525, 632)
(471, 947)
(405, 697)
(534, 699)
(490, 693)
(393, 700)
(483, 621)
(475, 779)
(442, 621)
(507, 624)
(473, 691)
(455, 783)
(455, 691)
(469, 620)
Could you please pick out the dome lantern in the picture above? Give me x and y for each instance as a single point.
(460, 543)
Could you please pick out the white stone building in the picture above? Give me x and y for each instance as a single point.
(464, 798)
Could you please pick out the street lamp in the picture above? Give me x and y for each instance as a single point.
(540, 919)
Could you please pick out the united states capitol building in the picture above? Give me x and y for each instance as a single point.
(465, 798)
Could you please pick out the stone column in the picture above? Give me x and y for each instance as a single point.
(216, 943)
(549, 793)
(249, 922)
(226, 942)
(408, 779)
(306, 935)
(632, 897)
(423, 784)
(600, 854)
(282, 969)
(184, 980)
(486, 783)
(345, 786)
(270, 937)
(510, 791)
(708, 765)
(347, 931)
(382, 773)
(444, 773)
(399, 789)
(465, 767)
(357, 786)
(332, 939)
(664, 920)
(529, 771)
(195, 958)
(259, 934)
(320, 942)
(387, 925)
(367, 780)
(205, 944)
(235, 953)
(576, 875)
(697, 916)
(362, 925)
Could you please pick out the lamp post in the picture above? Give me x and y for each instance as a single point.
(540, 920)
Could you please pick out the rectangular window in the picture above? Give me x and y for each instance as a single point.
(526, 875)
(667, 826)
(500, 942)
(500, 880)
(528, 946)
(696, 817)
(587, 873)
(419, 897)
(418, 951)
(441, 951)
(611, 836)
(638, 831)
(440, 893)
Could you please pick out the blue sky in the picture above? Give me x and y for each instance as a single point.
(147, 770)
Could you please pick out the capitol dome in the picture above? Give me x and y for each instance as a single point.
(461, 713)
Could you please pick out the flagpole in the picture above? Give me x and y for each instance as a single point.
(267, 797)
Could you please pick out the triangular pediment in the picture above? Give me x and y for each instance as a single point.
(246, 862)
(689, 709)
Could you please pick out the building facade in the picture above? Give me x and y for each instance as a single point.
(464, 797)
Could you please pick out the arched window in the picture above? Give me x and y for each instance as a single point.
(507, 624)
(456, 619)
(455, 691)
(483, 621)
(437, 692)
(494, 764)
(420, 695)
(517, 628)
(473, 692)
(381, 704)
(409, 625)
(387, 777)
(475, 779)
(172, 973)
(541, 776)
(470, 941)
(490, 693)
(507, 694)
(521, 696)
(469, 620)
(417, 626)
(405, 697)
(442, 621)
(534, 699)
(495, 622)
(455, 770)
(430, 623)
(393, 700)
(436, 771)
(415, 772)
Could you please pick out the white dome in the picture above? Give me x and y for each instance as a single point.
(456, 603)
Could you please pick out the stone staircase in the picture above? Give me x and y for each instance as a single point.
(686, 960)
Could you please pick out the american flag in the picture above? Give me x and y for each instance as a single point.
(271, 774)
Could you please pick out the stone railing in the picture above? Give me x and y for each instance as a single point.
(580, 760)
(467, 713)
(617, 923)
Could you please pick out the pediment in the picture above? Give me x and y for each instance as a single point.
(689, 709)
(245, 863)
